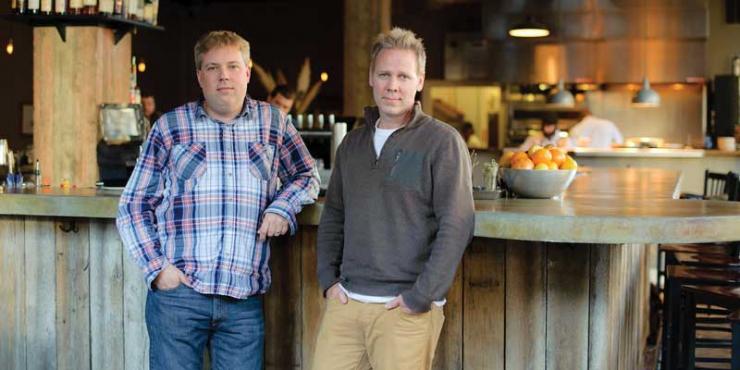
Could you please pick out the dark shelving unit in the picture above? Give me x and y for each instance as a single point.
(120, 26)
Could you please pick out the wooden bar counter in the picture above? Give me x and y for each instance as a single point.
(545, 284)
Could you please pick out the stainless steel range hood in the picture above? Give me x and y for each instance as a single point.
(604, 41)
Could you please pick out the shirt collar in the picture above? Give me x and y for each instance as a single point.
(200, 110)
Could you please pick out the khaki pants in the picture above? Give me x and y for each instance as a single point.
(358, 335)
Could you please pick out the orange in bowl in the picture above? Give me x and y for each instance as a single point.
(568, 164)
(542, 156)
(522, 163)
(558, 156)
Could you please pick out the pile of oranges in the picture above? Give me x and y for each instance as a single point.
(539, 158)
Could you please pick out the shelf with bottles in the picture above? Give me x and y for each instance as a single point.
(122, 17)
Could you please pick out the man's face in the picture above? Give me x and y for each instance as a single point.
(148, 104)
(223, 77)
(282, 103)
(395, 81)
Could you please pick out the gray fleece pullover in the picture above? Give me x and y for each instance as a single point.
(398, 224)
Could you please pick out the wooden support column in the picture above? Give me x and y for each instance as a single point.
(363, 20)
(70, 80)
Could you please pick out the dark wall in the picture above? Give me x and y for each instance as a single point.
(16, 79)
(281, 35)
(431, 23)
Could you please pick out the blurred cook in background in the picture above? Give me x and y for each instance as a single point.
(549, 135)
(595, 132)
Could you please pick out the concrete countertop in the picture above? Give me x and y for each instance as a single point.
(601, 206)
(651, 153)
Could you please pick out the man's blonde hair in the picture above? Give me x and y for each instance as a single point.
(399, 38)
(215, 39)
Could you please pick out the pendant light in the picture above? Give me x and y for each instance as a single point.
(529, 28)
(645, 97)
(562, 97)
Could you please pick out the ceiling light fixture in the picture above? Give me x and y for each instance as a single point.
(563, 97)
(529, 28)
(645, 97)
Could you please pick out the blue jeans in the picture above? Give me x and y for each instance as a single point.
(181, 322)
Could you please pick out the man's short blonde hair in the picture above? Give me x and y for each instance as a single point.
(399, 38)
(216, 39)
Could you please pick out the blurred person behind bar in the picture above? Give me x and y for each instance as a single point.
(149, 106)
(282, 97)
(200, 207)
(397, 218)
(595, 132)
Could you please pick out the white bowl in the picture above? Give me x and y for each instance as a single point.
(538, 183)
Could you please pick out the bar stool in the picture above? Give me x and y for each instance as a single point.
(677, 276)
(666, 256)
(718, 324)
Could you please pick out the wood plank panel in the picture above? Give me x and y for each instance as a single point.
(312, 301)
(448, 354)
(106, 296)
(282, 305)
(135, 337)
(73, 297)
(601, 313)
(484, 284)
(41, 343)
(70, 80)
(13, 293)
(525, 305)
(567, 306)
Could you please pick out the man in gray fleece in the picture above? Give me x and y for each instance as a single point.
(398, 215)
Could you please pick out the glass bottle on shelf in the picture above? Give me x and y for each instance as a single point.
(149, 12)
(155, 12)
(105, 7)
(132, 6)
(60, 6)
(75, 7)
(33, 7)
(46, 7)
(140, 10)
(90, 7)
(118, 7)
(18, 6)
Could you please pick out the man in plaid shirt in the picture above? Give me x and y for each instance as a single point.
(200, 206)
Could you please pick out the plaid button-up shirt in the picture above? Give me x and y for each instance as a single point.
(201, 188)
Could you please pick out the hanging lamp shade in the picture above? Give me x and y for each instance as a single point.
(529, 28)
(563, 97)
(646, 97)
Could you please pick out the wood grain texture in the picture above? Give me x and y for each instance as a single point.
(526, 314)
(484, 307)
(282, 305)
(514, 305)
(40, 294)
(13, 293)
(71, 79)
(312, 301)
(368, 18)
(567, 306)
(106, 296)
(135, 337)
(73, 297)
(449, 351)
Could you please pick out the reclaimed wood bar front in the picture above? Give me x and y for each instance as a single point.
(546, 284)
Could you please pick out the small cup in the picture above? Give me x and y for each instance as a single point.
(726, 143)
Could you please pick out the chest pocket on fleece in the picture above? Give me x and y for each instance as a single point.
(407, 170)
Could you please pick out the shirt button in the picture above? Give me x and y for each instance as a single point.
(229, 174)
